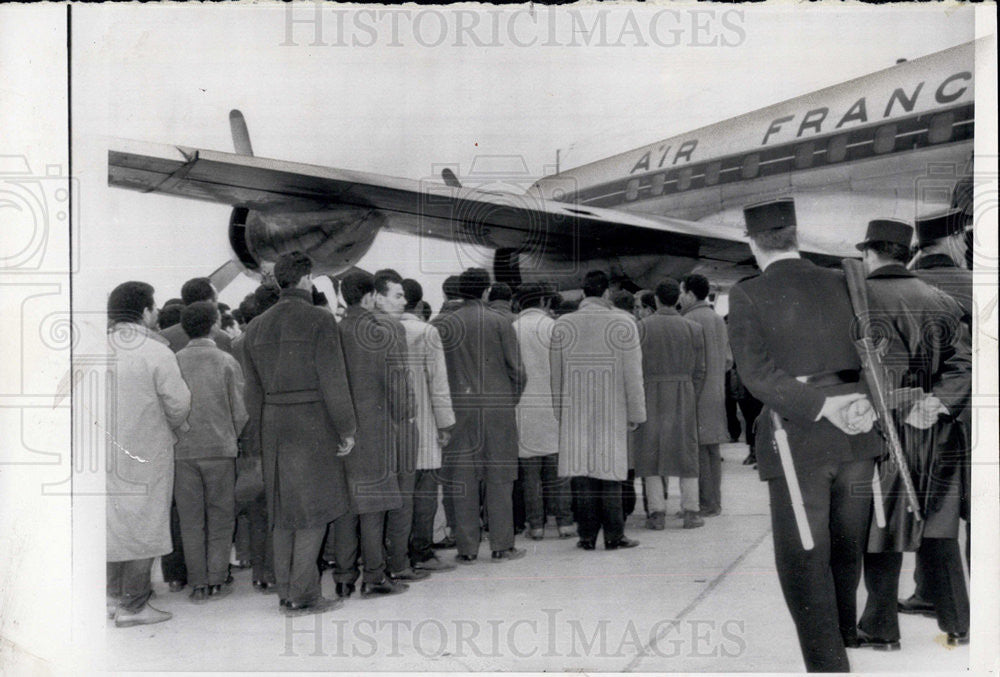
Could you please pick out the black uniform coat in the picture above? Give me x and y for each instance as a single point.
(375, 353)
(928, 348)
(486, 379)
(300, 406)
(794, 320)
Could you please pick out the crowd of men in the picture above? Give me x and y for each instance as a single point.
(336, 433)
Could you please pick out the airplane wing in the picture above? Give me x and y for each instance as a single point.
(427, 208)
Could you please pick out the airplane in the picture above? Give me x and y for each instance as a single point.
(897, 142)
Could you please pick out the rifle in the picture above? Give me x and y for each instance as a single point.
(875, 377)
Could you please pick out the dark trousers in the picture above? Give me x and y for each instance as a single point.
(541, 480)
(172, 565)
(425, 497)
(750, 407)
(880, 617)
(498, 499)
(348, 534)
(732, 420)
(820, 585)
(628, 495)
(710, 477)
(398, 523)
(259, 536)
(519, 510)
(203, 493)
(129, 582)
(599, 504)
(295, 569)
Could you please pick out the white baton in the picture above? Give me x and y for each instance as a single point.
(877, 497)
(792, 480)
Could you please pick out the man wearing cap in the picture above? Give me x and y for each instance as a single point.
(927, 348)
(790, 329)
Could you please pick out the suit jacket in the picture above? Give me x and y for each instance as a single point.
(486, 378)
(298, 398)
(795, 320)
(712, 427)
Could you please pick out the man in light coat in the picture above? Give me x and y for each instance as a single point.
(712, 424)
(151, 400)
(537, 427)
(435, 419)
(598, 398)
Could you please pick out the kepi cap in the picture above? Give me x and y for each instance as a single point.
(887, 230)
(941, 225)
(769, 215)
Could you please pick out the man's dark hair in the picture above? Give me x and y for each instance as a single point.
(227, 321)
(170, 315)
(172, 302)
(777, 240)
(197, 289)
(890, 250)
(647, 299)
(223, 308)
(128, 301)
(473, 282)
(532, 295)
(265, 296)
(413, 292)
(451, 288)
(237, 315)
(500, 291)
(595, 283)
(668, 291)
(290, 268)
(318, 298)
(623, 300)
(249, 308)
(425, 310)
(355, 285)
(696, 284)
(384, 277)
(197, 319)
(565, 307)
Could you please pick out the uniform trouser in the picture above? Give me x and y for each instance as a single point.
(820, 585)
(599, 504)
(347, 533)
(541, 478)
(295, 569)
(398, 524)
(259, 536)
(425, 493)
(709, 477)
(656, 498)
(172, 565)
(203, 492)
(750, 407)
(628, 494)
(129, 582)
(499, 507)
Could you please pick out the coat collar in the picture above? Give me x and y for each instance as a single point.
(532, 311)
(796, 263)
(204, 342)
(356, 311)
(697, 304)
(410, 317)
(892, 270)
(295, 294)
(595, 302)
(934, 261)
(667, 310)
(140, 329)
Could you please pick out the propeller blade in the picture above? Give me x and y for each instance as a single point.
(450, 179)
(225, 274)
(241, 136)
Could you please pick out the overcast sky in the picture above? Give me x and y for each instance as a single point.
(416, 92)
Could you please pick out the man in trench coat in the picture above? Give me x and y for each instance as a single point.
(300, 407)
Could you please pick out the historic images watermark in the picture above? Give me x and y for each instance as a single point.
(325, 25)
(550, 633)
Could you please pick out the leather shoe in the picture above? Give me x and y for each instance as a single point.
(446, 543)
(264, 586)
(536, 534)
(317, 606)
(433, 564)
(567, 532)
(199, 595)
(586, 545)
(466, 559)
(508, 554)
(692, 520)
(867, 641)
(147, 615)
(656, 521)
(177, 586)
(345, 590)
(216, 592)
(916, 605)
(386, 587)
(958, 638)
(711, 512)
(410, 574)
(621, 543)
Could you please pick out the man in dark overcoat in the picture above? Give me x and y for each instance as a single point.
(300, 405)
(927, 348)
(790, 329)
(486, 379)
(673, 374)
(374, 349)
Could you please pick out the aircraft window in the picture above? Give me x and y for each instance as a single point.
(836, 150)
(940, 129)
(885, 139)
(712, 173)
(657, 183)
(804, 155)
(684, 179)
(751, 166)
(632, 190)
